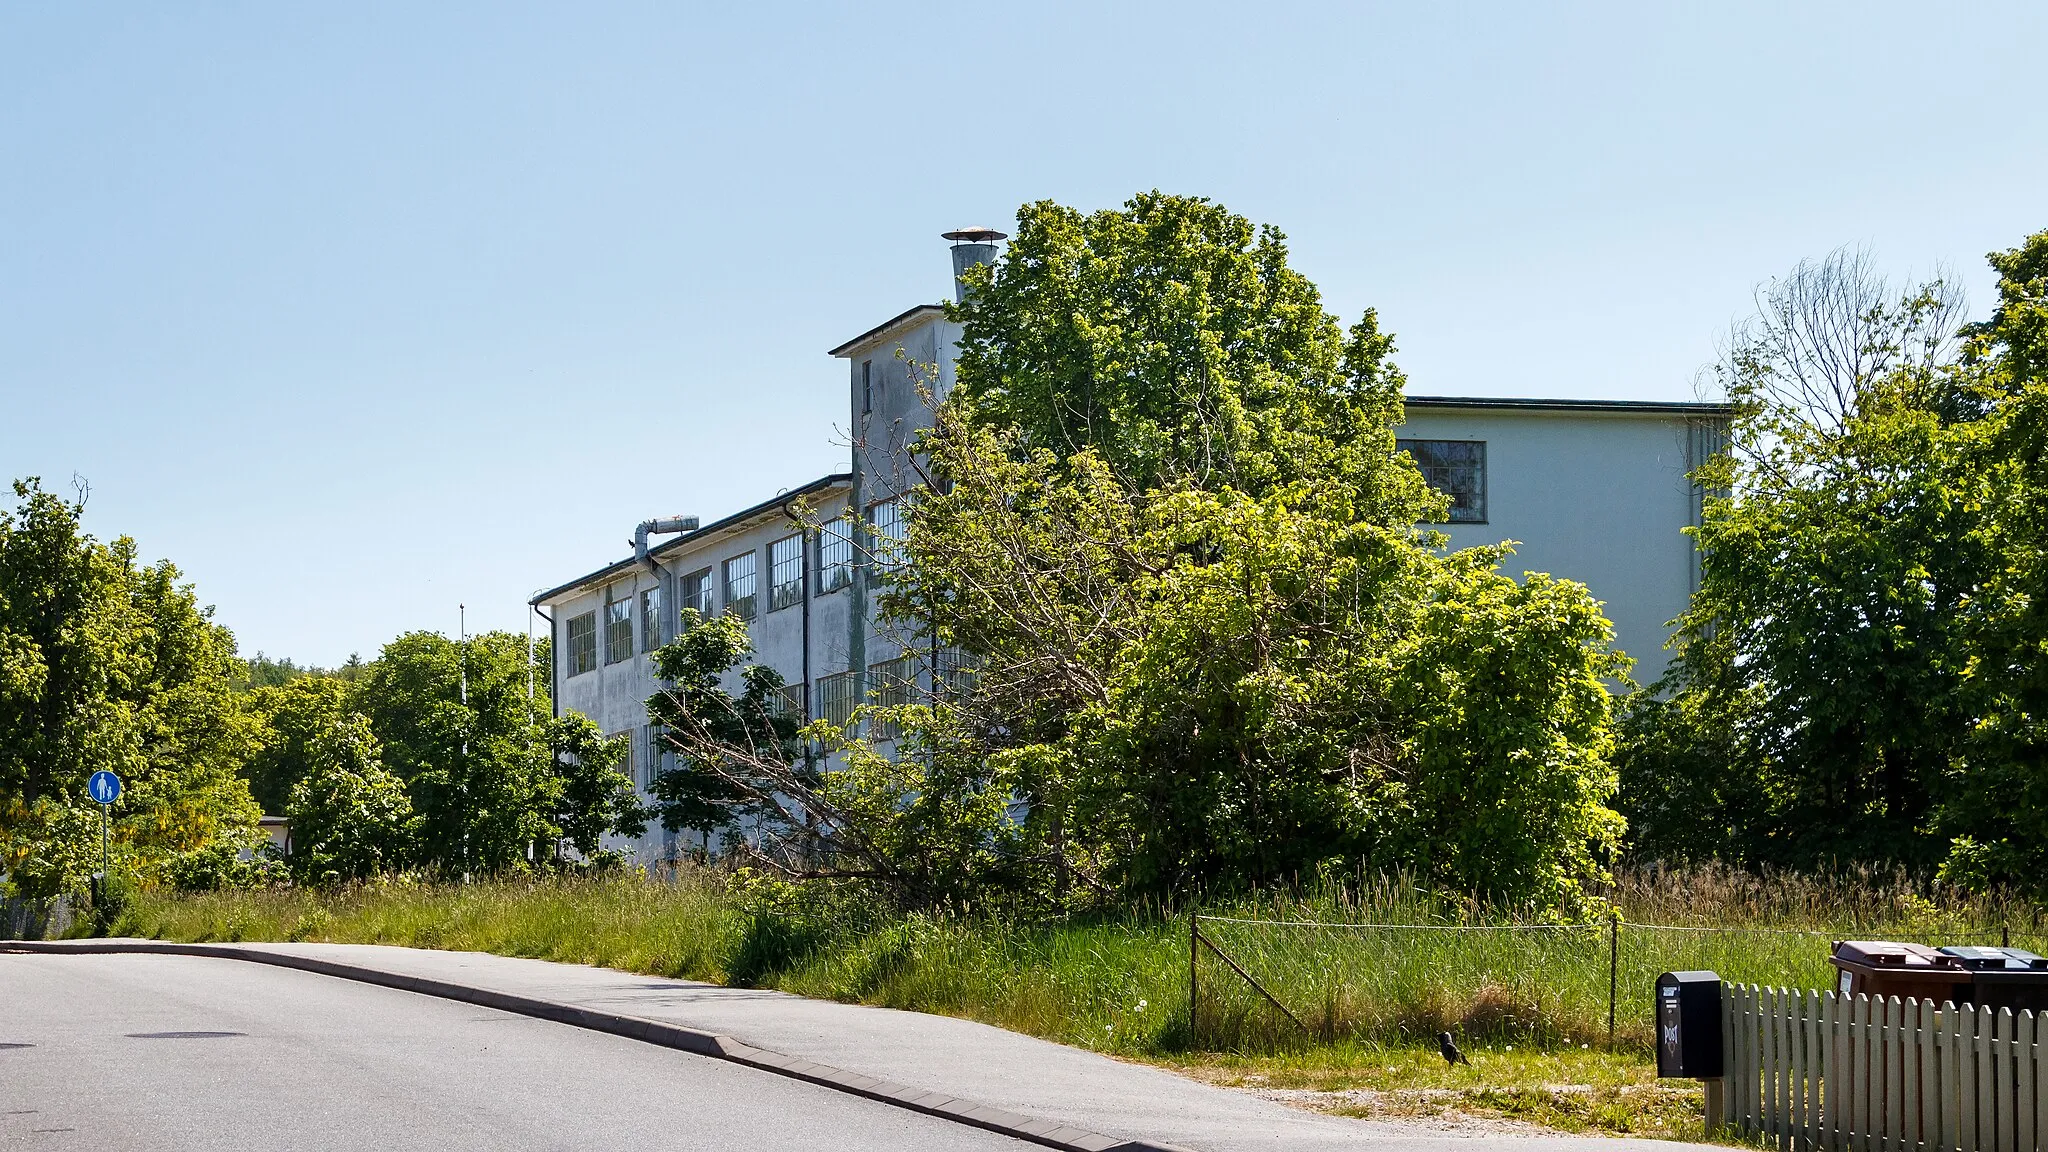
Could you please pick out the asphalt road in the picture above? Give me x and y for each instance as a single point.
(174, 1052)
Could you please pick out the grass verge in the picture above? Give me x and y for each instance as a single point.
(1528, 1006)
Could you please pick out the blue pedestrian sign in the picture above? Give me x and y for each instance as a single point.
(104, 787)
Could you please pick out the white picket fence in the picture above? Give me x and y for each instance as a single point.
(1810, 1071)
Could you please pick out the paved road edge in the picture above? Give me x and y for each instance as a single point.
(1044, 1132)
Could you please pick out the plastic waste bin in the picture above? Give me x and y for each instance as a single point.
(1967, 974)
(2003, 977)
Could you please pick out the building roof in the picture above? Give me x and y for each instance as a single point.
(771, 504)
(1506, 403)
(1533, 404)
(881, 331)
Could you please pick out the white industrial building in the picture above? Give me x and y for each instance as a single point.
(1595, 491)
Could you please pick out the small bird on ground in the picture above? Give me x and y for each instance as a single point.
(1449, 1048)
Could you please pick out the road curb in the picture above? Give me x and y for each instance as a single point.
(972, 1113)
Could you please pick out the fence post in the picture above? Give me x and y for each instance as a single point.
(1613, 968)
(1194, 955)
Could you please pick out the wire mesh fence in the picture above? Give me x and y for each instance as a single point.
(1269, 983)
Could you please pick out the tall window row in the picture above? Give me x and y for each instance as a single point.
(608, 631)
(892, 684)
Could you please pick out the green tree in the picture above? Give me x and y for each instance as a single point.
(1172, 339)
(926, 825)
(263, 672)
(291, 717)
(495, 782)
(108, 663)
(1994, 816)
(1169, 531)
(738, 754)
(1819, 699)
(350, 818)
(593, 798)
(1195, 688)
(456, 723)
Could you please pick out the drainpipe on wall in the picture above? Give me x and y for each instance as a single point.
(554, 661)
(863, 544)
(806, 606)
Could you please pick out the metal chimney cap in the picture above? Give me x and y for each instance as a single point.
(974, 235)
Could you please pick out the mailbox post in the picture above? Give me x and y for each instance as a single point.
(1689, 1034)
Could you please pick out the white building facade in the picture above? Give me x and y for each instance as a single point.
(1594, 491)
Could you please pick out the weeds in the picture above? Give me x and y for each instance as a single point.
(1530, 1006)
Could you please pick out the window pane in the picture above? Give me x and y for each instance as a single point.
(955, 677)
(740, 577)
(785, 572)
(789, 701)
(1456, 468)
(657, 757)
(891, 684)
(887, 520)
(835, 555)
(631, 764)
(650, 619)
(697, 592)
(618, 631)
(835, 697)
(582, 643)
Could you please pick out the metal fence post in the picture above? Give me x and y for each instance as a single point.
(1613, 969)
(1194, 954)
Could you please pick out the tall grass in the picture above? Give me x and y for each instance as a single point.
(1387, 962)
(1119, 982)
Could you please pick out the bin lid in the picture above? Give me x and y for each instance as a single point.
(1984, 958)
(1892, 954)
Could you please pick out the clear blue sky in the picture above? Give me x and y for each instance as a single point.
(360, 311)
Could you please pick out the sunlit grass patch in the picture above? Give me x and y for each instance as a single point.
(1580, 1090)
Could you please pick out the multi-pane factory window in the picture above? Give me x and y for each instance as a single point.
(886, 518)
(697, 593)
(650, 618)
(618, 631)
(582, 655)
(1456, 468)
(835, 555)
(891, 684)
(789, 701)
(786, 572)
(740, 577)
(630, 763)
(835, 697)
(955, 676)
(659, 759)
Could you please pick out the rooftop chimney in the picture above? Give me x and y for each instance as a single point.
(972, 247)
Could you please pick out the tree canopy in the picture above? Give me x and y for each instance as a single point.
(109, 663)
(1858, 675)
(1172, 340)
(1190, 634)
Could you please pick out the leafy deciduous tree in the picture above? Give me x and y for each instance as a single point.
(107, 663)
(350, 818)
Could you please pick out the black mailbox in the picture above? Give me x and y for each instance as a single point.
(1689, 1025)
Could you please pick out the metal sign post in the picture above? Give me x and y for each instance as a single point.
(104, 787)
